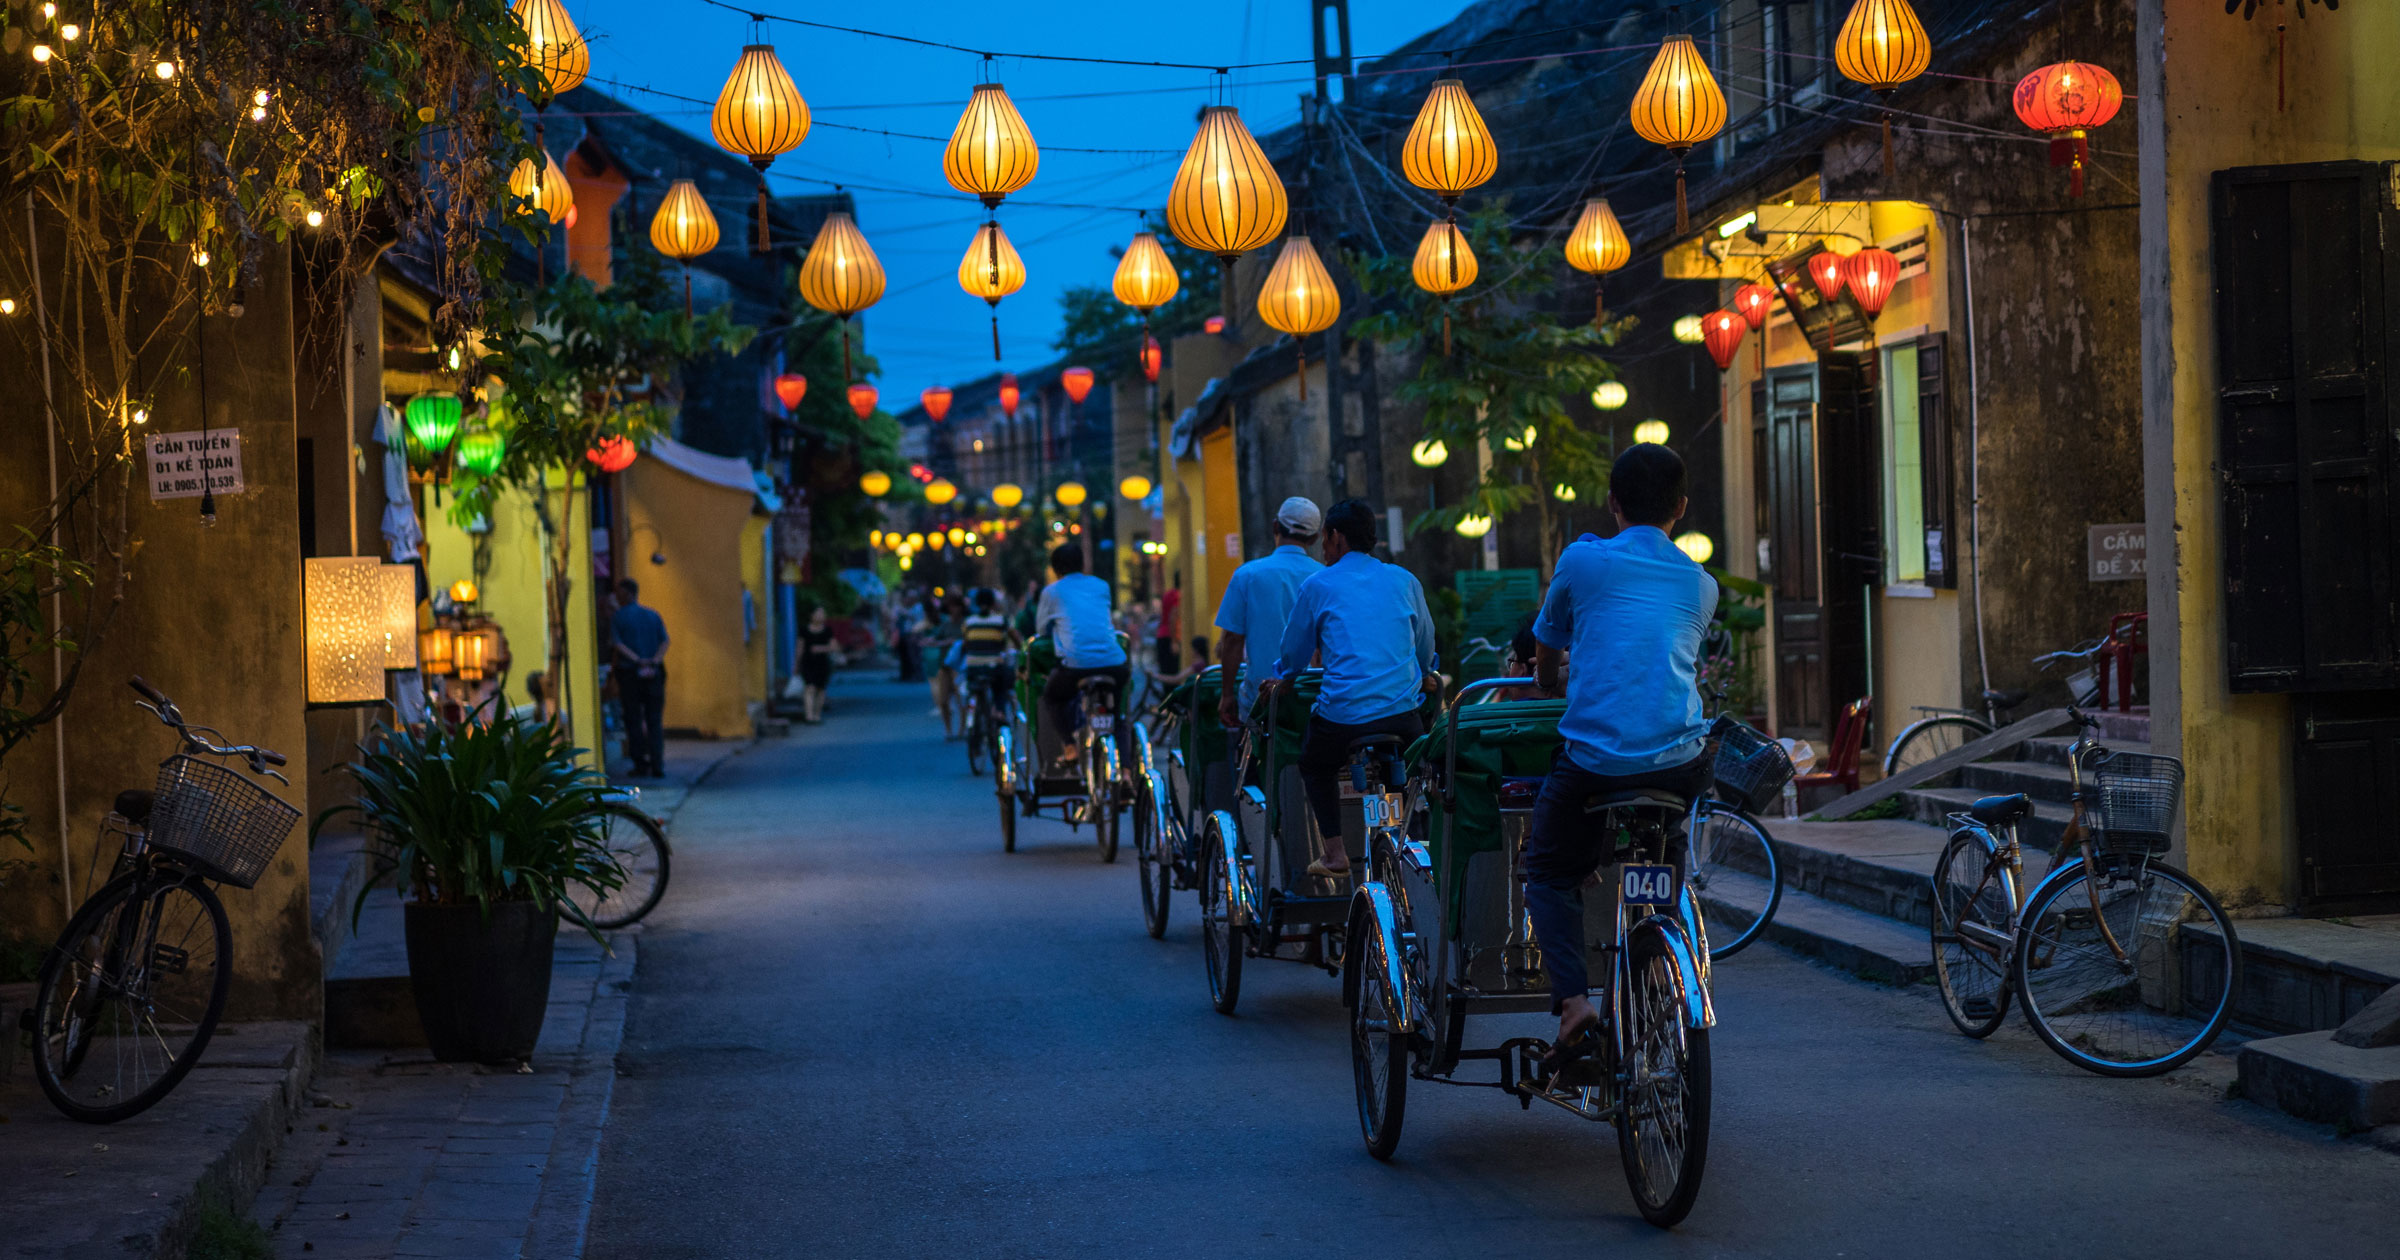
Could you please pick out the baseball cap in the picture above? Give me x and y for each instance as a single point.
(1300, 518)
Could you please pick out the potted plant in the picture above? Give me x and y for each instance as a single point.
(485, 828)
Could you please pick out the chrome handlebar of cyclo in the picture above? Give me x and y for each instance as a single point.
(196, 737)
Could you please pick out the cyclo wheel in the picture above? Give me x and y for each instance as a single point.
(1378, 1060)
(131, 994)
(1972, 972)
(1930, 738)
(1732, 850)
(1220, 938)
(1008, 821)
(634, 839)
(977, 736)
(2153, 1001)
(1153, 864)
(1662, 1117)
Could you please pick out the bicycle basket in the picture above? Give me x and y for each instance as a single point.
(1751, 768)
(2135, 796)
(219, 820)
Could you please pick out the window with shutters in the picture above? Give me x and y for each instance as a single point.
(1916, 452)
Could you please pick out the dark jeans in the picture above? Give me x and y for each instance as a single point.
(1058, 696)
(1169, 658)
(1565, 848)
(1325, 750)
(643, 702)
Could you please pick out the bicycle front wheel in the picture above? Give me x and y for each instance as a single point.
(1662, 1120)
(1973, 894)
(1932, 737)
(131, 994)
(1735, 874)
(2128, 970)
(633, 838)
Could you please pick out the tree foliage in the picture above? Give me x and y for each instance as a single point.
(1097, 330)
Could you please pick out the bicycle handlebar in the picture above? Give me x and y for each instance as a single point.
(158, 703)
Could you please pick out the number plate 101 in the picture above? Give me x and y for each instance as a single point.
(1647, 884)
(1386, 810)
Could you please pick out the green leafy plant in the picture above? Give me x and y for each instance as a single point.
(1730, 661)
(459, 813)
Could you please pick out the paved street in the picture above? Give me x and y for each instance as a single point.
(860, 1029)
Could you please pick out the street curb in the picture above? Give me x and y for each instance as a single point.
(233, 1179)
(563, 1211)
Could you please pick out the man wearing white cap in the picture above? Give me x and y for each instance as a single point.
(1258, 602)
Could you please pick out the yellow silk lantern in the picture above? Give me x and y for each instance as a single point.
(1136, 487)
(1678, 106)
(547, 188)
(875, 484)
(1444, 265)
(991, 270)
(1882, 45)
(940, 491)
(1448, 149)
(1598, 246)
(991, 153)
(683, 229)
(1299, 298)
(759, 115)
(1226, 199)
(1069, 494)
(1007, 495)
(553, 47)
(841, 275)
(1146, 278)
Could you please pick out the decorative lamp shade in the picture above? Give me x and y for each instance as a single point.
(1007, 495)
(875, 484)
(462, 591)
(1678, 105)
(1754, 301)
(1871, 275)
(1298, 297)
(1563, 492)
(936, 399)
(1696, 545)
(481, 450)
(1723, 331)
(759, 112)
(399, 582)
(1069, 494)
(1153, 358)
(683, 229)
(1146, 278)
(841, 275)
(1444, 263)
(1825, 268)
(546, 189)
(862, 399)
(1429, 453)
(612, 454)
(991, 152)
(432, 421)
(790, 388)
(1882, 45)
(1136, 487)
(1473, 526)
(2065, 101)
(1010, 395)
(553, 47)
(1077, 382)
(940, 492)
(1609, 395)
(474, 652)
(1598, 243)
(343, 597)
(1690, 329)
(1654, 432)
(1523, 441)
(957, 536)
(435, 650)
(1448, 149)
(991, 268)
(1226, 199)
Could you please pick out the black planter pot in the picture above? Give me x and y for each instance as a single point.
(482, 982)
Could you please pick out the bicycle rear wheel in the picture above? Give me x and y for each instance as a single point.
(130, 995)
(1931, 738)
(1972, 898)
(1154, 864)
(1662, 1120)
(1735, 873)
(2129, 970)
(978, 738)
(640, 848)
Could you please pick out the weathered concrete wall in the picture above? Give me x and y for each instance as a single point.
(1285, 447)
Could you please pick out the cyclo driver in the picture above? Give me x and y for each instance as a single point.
(981, 654)
(1629, 611)
(1366, 623)
(1074, 612)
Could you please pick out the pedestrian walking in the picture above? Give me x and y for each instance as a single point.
(641, 675)
(817, 653)
(1170, 625)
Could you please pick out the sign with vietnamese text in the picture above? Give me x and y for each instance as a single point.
(185, 465)
(2118, 553)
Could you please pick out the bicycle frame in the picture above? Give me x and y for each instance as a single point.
(2007, 853)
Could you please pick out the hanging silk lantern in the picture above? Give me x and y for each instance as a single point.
(939, 492)
(554, 49)
(1448, 150)
(1609, 395)
(432, 422)
(2064, 102)
(546, 189)
(991, 153)
(1444, 265)
(1825, 268)
(1078, 383)
(1870, 275)
(683, 229)
(1688, 330)
(1598, 246)
(1723, 331)
(759, 115)
(790, 388)
(875, 484)
(1299, 299)
(1654, 432)
(862, 399)
(991, 270)
(841, 275)
(1069, 494)
(1135, 487)
(1226, 199)
(1153, 358)
(481, 450)
(1145, 281)
(1754, 301)
(1429, 453)
(1678, 106)
(1010, 395)
(1882, 45)
(1007, 495)
(1473, 526)
(612, 454)
(936, 400)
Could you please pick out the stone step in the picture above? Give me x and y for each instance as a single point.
(1883, 866)
(2051, 750)
(2042, 829)
(1866, 944)
(2314, 1077)
(2038, 779)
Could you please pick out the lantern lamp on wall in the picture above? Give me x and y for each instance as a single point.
(862, 399)
(1226, 199)
(1677, 107)
(1653, 432)
(1598, 246)
(399, 615)
(991, 269)
(683, 229)
(343, 597)
(2064, 102)
(790, 388)
(1136, 487)
(1723, 332)
(875, 484)
(1298, 298)
(1077, 381)
(1429, 453)
(1007, 495)
(1882, 45)
(1609, 395)
(841, 275)
(936, 401)
(759, 115)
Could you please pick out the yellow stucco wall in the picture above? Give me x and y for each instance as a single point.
(698, 527)
(1224, 525)
(755, 657)
(513, 592)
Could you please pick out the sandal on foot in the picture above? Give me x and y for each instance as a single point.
(1319, 870)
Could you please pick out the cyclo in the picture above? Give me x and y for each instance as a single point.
(1098, 790)
(1440, 933)
(1184, 772)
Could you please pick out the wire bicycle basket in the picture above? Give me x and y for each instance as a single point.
(222, 822)
(2134, 797)
(1751, 769)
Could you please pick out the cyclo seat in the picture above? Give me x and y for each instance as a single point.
(1655, 797)
(2000, 811)
(1386, 744)
(1380, 751)
(2005, 699)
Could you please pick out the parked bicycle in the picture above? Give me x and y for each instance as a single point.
(131, 993)
(1734, 870)
(639, 845)
(1944, 730)
(2127, 966)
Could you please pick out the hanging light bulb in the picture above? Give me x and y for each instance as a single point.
(1678, 106)
(683, 229)
(554, 49)
(164, 69)
(41, 53)
(1882, 45)
(759, 115)
(314, 217)
(841, 275)
(1449, 149)
(1429, 453)
(1226, 199)
(991, 270)
(1298, 298)
(1598, 246)
(69, 32)
(1444, 265)
(546, 188)
(991, 153)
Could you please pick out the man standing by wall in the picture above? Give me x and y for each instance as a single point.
(641, 674)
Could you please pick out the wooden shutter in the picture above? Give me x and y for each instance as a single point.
(2304, 287)
(1934, 447)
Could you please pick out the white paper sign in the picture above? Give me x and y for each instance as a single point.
(184, 465)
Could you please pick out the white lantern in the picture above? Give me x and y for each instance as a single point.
(343, 601)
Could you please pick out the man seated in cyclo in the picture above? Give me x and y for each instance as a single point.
(1257, 605)
(1629, 613)
(1366, 623)
(980, 656)
(1074, 612)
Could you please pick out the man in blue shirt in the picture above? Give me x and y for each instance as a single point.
(1629, 612)
(1366, 622)
(640, 671)
(1258, 603)
(1074, 612)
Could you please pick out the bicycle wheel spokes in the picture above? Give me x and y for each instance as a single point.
(1735, 874)
(1972, 900)
(130, 996)
(1932, 738)
(641, 853)
(2127, 972)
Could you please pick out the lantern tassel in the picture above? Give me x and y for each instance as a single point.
(1445, 328)
(995, 332)
(1304, 376)
(1683, 215)
(1599, 307)
(687, 291)
(845, 351)
(762, 244)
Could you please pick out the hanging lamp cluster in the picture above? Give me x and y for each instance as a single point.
(991, 154)
(1448, 151)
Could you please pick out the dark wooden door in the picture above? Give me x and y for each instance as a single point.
(2346, 781)
(1790, 562)
(1850, 516)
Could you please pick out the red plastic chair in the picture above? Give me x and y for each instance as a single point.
(2128, 637)
(1841, 760)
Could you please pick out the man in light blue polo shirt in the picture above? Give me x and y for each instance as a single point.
(1074, 612)
(1628, 612)
(1258, 603)
(1366, 622)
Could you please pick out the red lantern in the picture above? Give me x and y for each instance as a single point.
(791, 387)
(569, 222)
(612, 454)
(1009, 394)
(1078, 381)
(1754, 301)
(1871, 274)
(937, 402)
(1825, 267)
(1723, 331)
(1152, 358)
(1215, 324)
(2063, 102)
(862, 399)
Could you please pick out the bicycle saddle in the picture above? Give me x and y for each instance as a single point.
(2005, 699)
(1520, 791)
(1379, 751)
(1599, 801)
(1388, 744)
(133, 804)
(2000, 811)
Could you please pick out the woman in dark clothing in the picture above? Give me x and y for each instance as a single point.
(817, 650)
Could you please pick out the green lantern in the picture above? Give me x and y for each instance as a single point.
(481, 451)
(432, 422)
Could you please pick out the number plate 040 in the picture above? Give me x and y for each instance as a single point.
(1649, 885)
